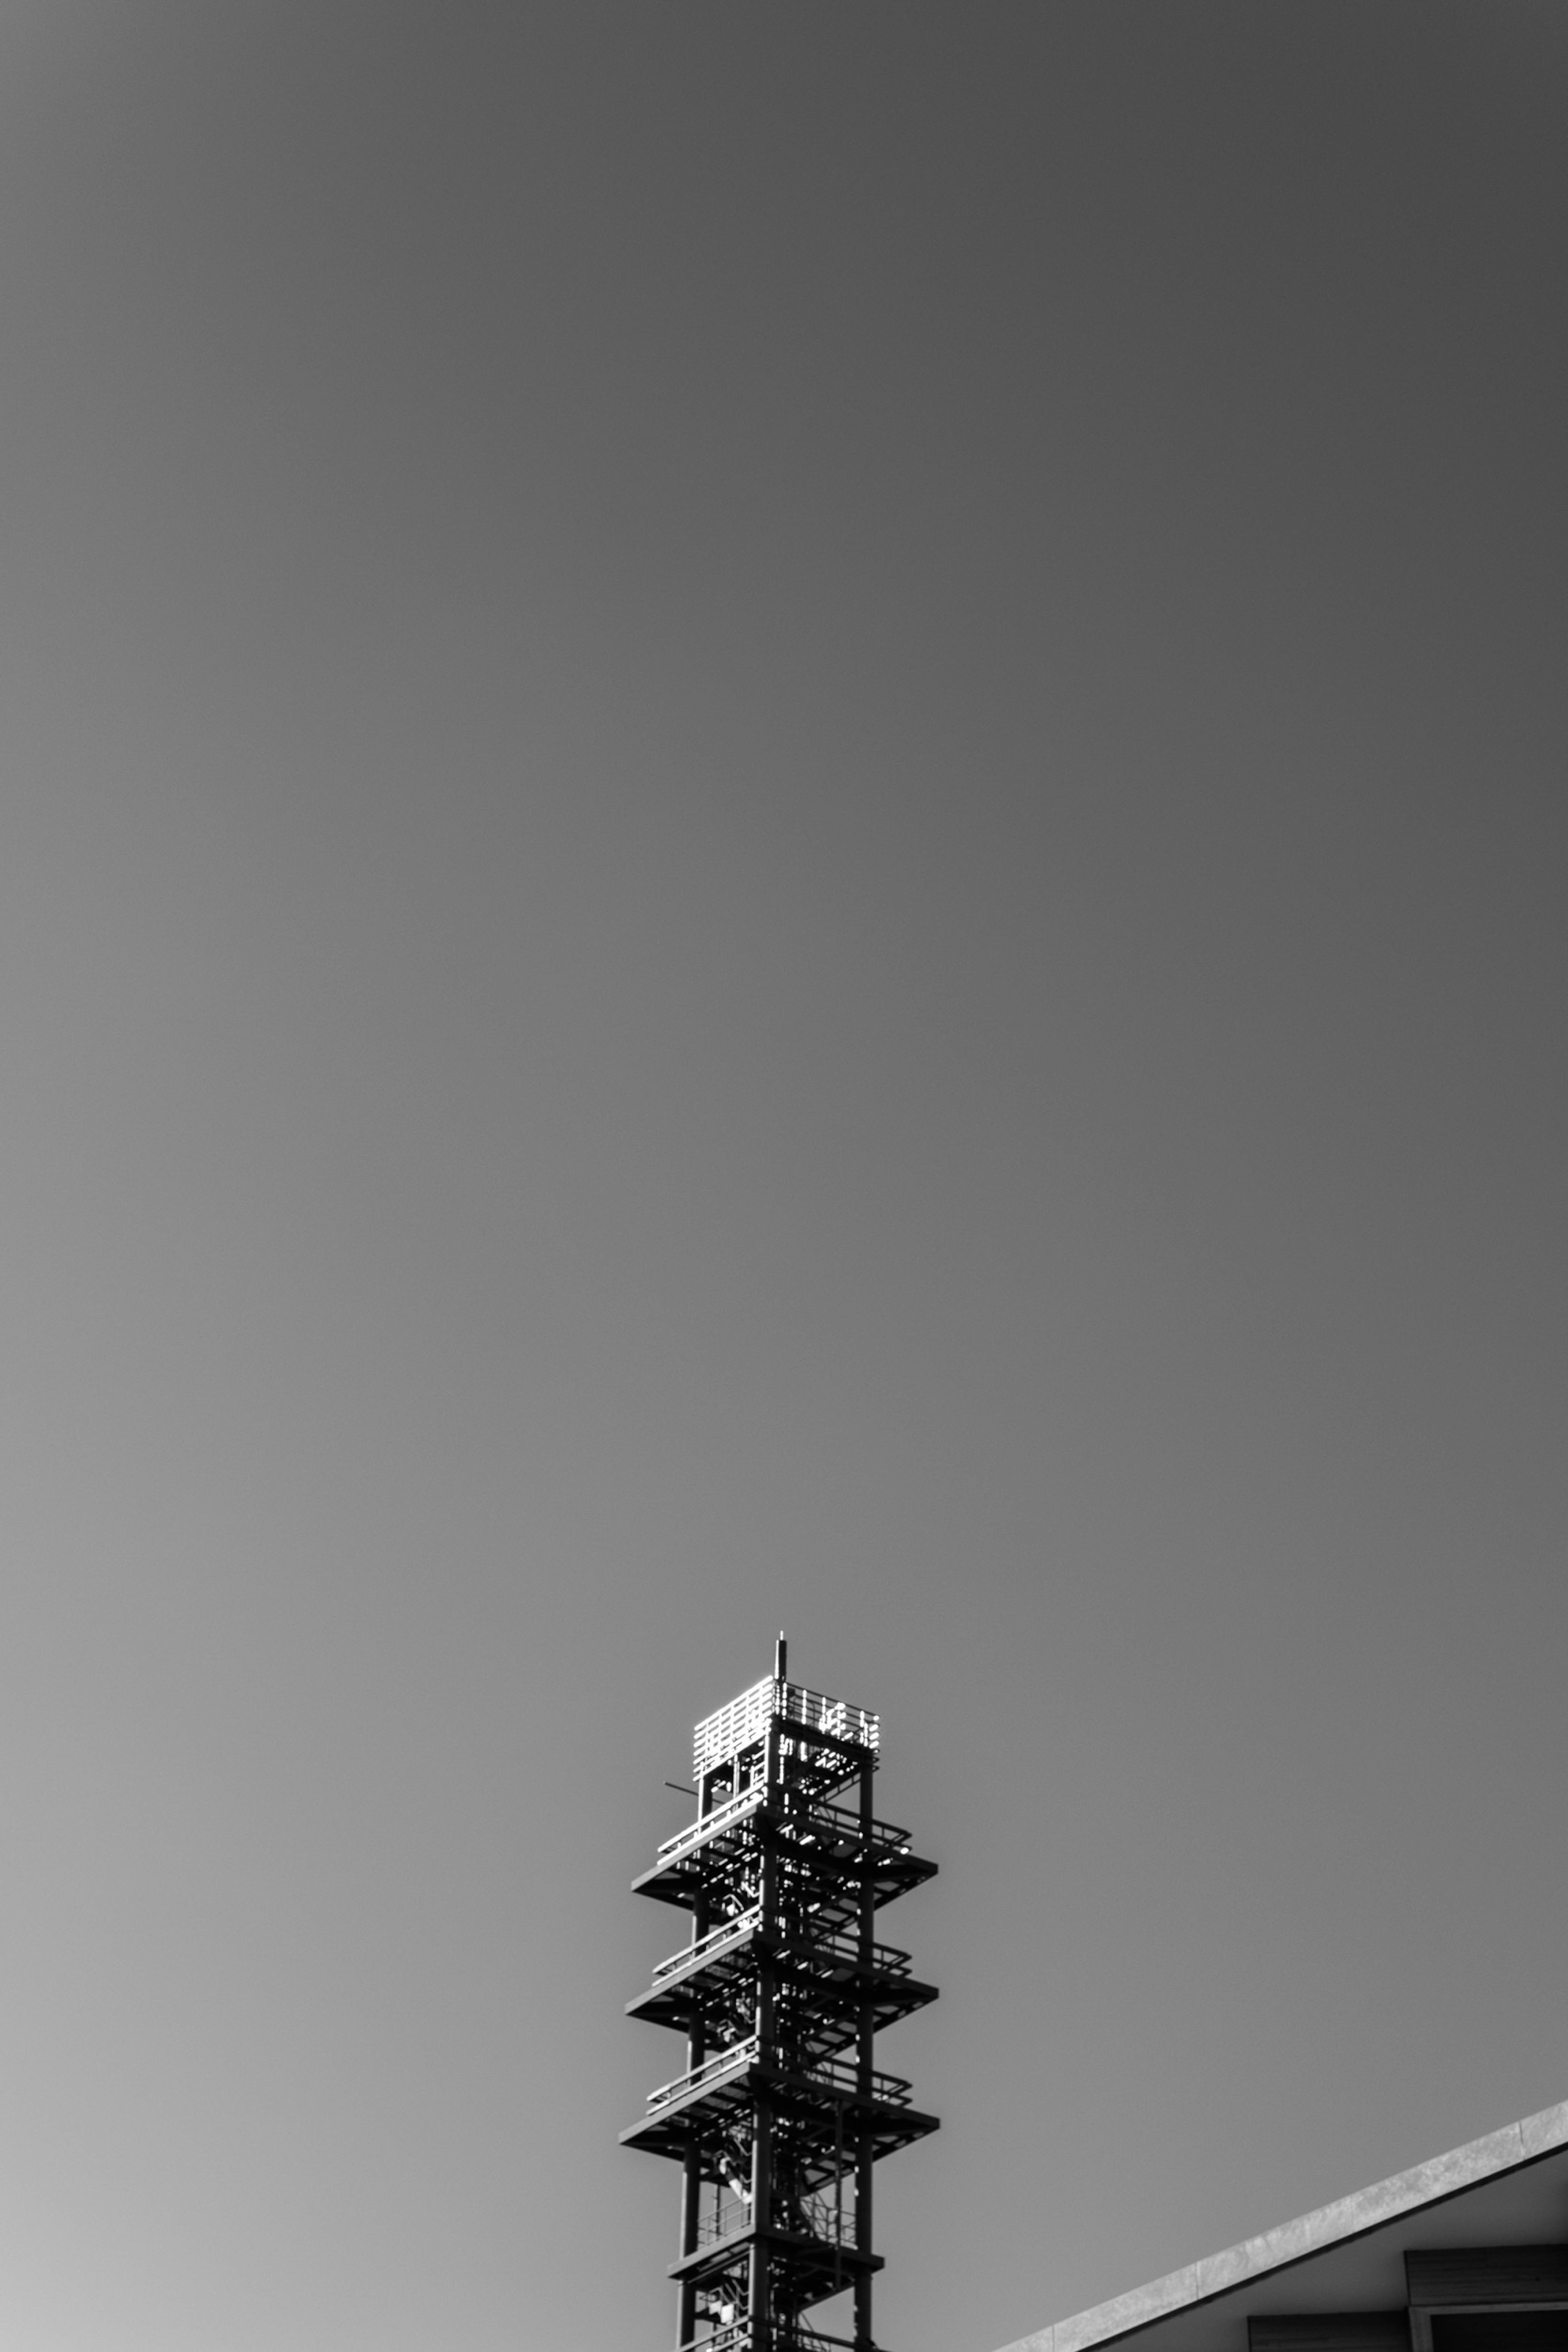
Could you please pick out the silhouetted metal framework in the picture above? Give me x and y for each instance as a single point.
(781, 2113)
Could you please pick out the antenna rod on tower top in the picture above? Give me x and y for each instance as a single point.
(781, 1660)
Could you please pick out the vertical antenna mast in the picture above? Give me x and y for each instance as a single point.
(780, 2113)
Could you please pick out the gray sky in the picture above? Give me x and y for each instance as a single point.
(784, 845)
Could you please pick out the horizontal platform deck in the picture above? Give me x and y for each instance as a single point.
(821, 1839)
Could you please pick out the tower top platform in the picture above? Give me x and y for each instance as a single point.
(730, 1728)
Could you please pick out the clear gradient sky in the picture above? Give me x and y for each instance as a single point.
(783, 844)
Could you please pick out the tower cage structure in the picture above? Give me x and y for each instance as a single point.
(780, 2112)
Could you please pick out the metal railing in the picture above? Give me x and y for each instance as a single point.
(701, 2078)
(707, 1824)
(736, 2338)
(841, 2079)
(708, 1946)
(787, 2335)
(722, 1734)
(840, 1945)
(836, 1821)
(838, 2077)
(847, 1827)
(844, 1944)
(826, 2214)
(729, 2218)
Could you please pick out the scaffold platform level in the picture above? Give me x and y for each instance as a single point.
(828, 2263)
(827, 1969)
(829, 1840)
(730, 1729)
(827, 1950)
(738, 2337)
(829, 2101)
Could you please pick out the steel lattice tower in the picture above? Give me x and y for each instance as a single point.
(781, 2113)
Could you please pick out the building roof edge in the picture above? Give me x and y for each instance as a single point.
(1349, 2217)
